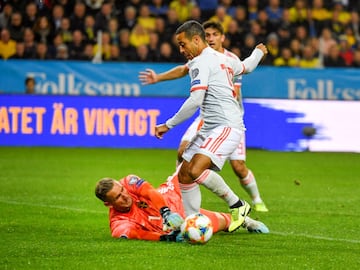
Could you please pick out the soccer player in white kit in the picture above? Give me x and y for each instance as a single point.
(215, 36)
(212, 90)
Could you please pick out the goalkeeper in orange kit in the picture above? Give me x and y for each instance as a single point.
(139, 211)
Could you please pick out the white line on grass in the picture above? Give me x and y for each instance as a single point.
(316, 237)
(52, 206)
(101, 212)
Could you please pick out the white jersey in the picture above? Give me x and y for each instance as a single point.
(214, 72)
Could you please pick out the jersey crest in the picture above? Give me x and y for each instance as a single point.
(142, 205)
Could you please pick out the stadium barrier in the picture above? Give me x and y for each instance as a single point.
(129, 122)
(121, 79)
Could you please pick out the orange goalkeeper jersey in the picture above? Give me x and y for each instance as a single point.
(144, 221)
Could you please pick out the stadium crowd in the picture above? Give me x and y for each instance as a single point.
(297, 33)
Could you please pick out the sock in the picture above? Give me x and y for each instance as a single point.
(250, 186)
(191, 196)
(213, 217)
(214, 182)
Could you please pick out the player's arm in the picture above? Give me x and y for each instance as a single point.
(128, 230)
(251, 62)
(149, 76)
(171, 220)
(188, 109)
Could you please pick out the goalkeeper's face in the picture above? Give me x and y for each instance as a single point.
(119, 198)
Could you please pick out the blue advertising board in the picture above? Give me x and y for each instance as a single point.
(129, 122)
(121, 79)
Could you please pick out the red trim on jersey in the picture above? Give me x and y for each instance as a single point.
(198, 88)
(219, 140)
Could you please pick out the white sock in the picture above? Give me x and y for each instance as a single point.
(214, 182)
(191, 196)
(250, 186)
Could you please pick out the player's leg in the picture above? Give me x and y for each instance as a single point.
(246, 177)
(212, 152)
(221, 222)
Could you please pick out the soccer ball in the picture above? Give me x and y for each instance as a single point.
(197, 229)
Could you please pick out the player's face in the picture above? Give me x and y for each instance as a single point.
(119, 198)
(188, 48)
(214, 38)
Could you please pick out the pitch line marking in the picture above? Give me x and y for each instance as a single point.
(101, 212)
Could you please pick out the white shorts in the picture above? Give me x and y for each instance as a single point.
(240, 152)
(192, 130)
(219, 145)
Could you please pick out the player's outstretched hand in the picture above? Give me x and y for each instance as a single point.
(160, 130)
(262, 47)
(174, 236)
(148, 77)
(171, 220)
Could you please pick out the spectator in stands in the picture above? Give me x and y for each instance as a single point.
(166, 53)
(355, 25)
(5, 15)
(298, 13)
(42, 51)
(286, 59)
(15, 27)
(301, 34)
(350, 36)
(252, 9)
(103, 17)
(356, 60)
(142, 52)
(222, 17)
(346, 52)
(68, 6)
(56, 18)
(195, 14)
(115, 54)
(258, 32)
(7, 45)
(76, 46)
(93, 6)
(127, 50)
(171, 24)
(43, 30)
(272, 44)
(88, 54)
(326, 41)
(31, 15)
(275, 13)
(30, 85)
(105, 45)
(182, 9)
(154, 46)
(207, 8)
(65, 30)
(160, 29)
(242, 21)
(333, 58)
(296, 49)
(308, 59)
(89, 29)
(129, 19)
(229, 7)
(20, 49)
(114, 31)
(284, 34)
(52, 47)
(145, 19)
(62, 52)
(264, 23)
(320, 15)
(234, 35)
(139, 36)
(158, 8)
(78, 17)
(30, 44)
(249, 44)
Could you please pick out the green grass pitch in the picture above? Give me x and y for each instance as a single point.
(50, 218)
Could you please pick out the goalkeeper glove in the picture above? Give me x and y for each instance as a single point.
(174, 236)
(171, 220)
